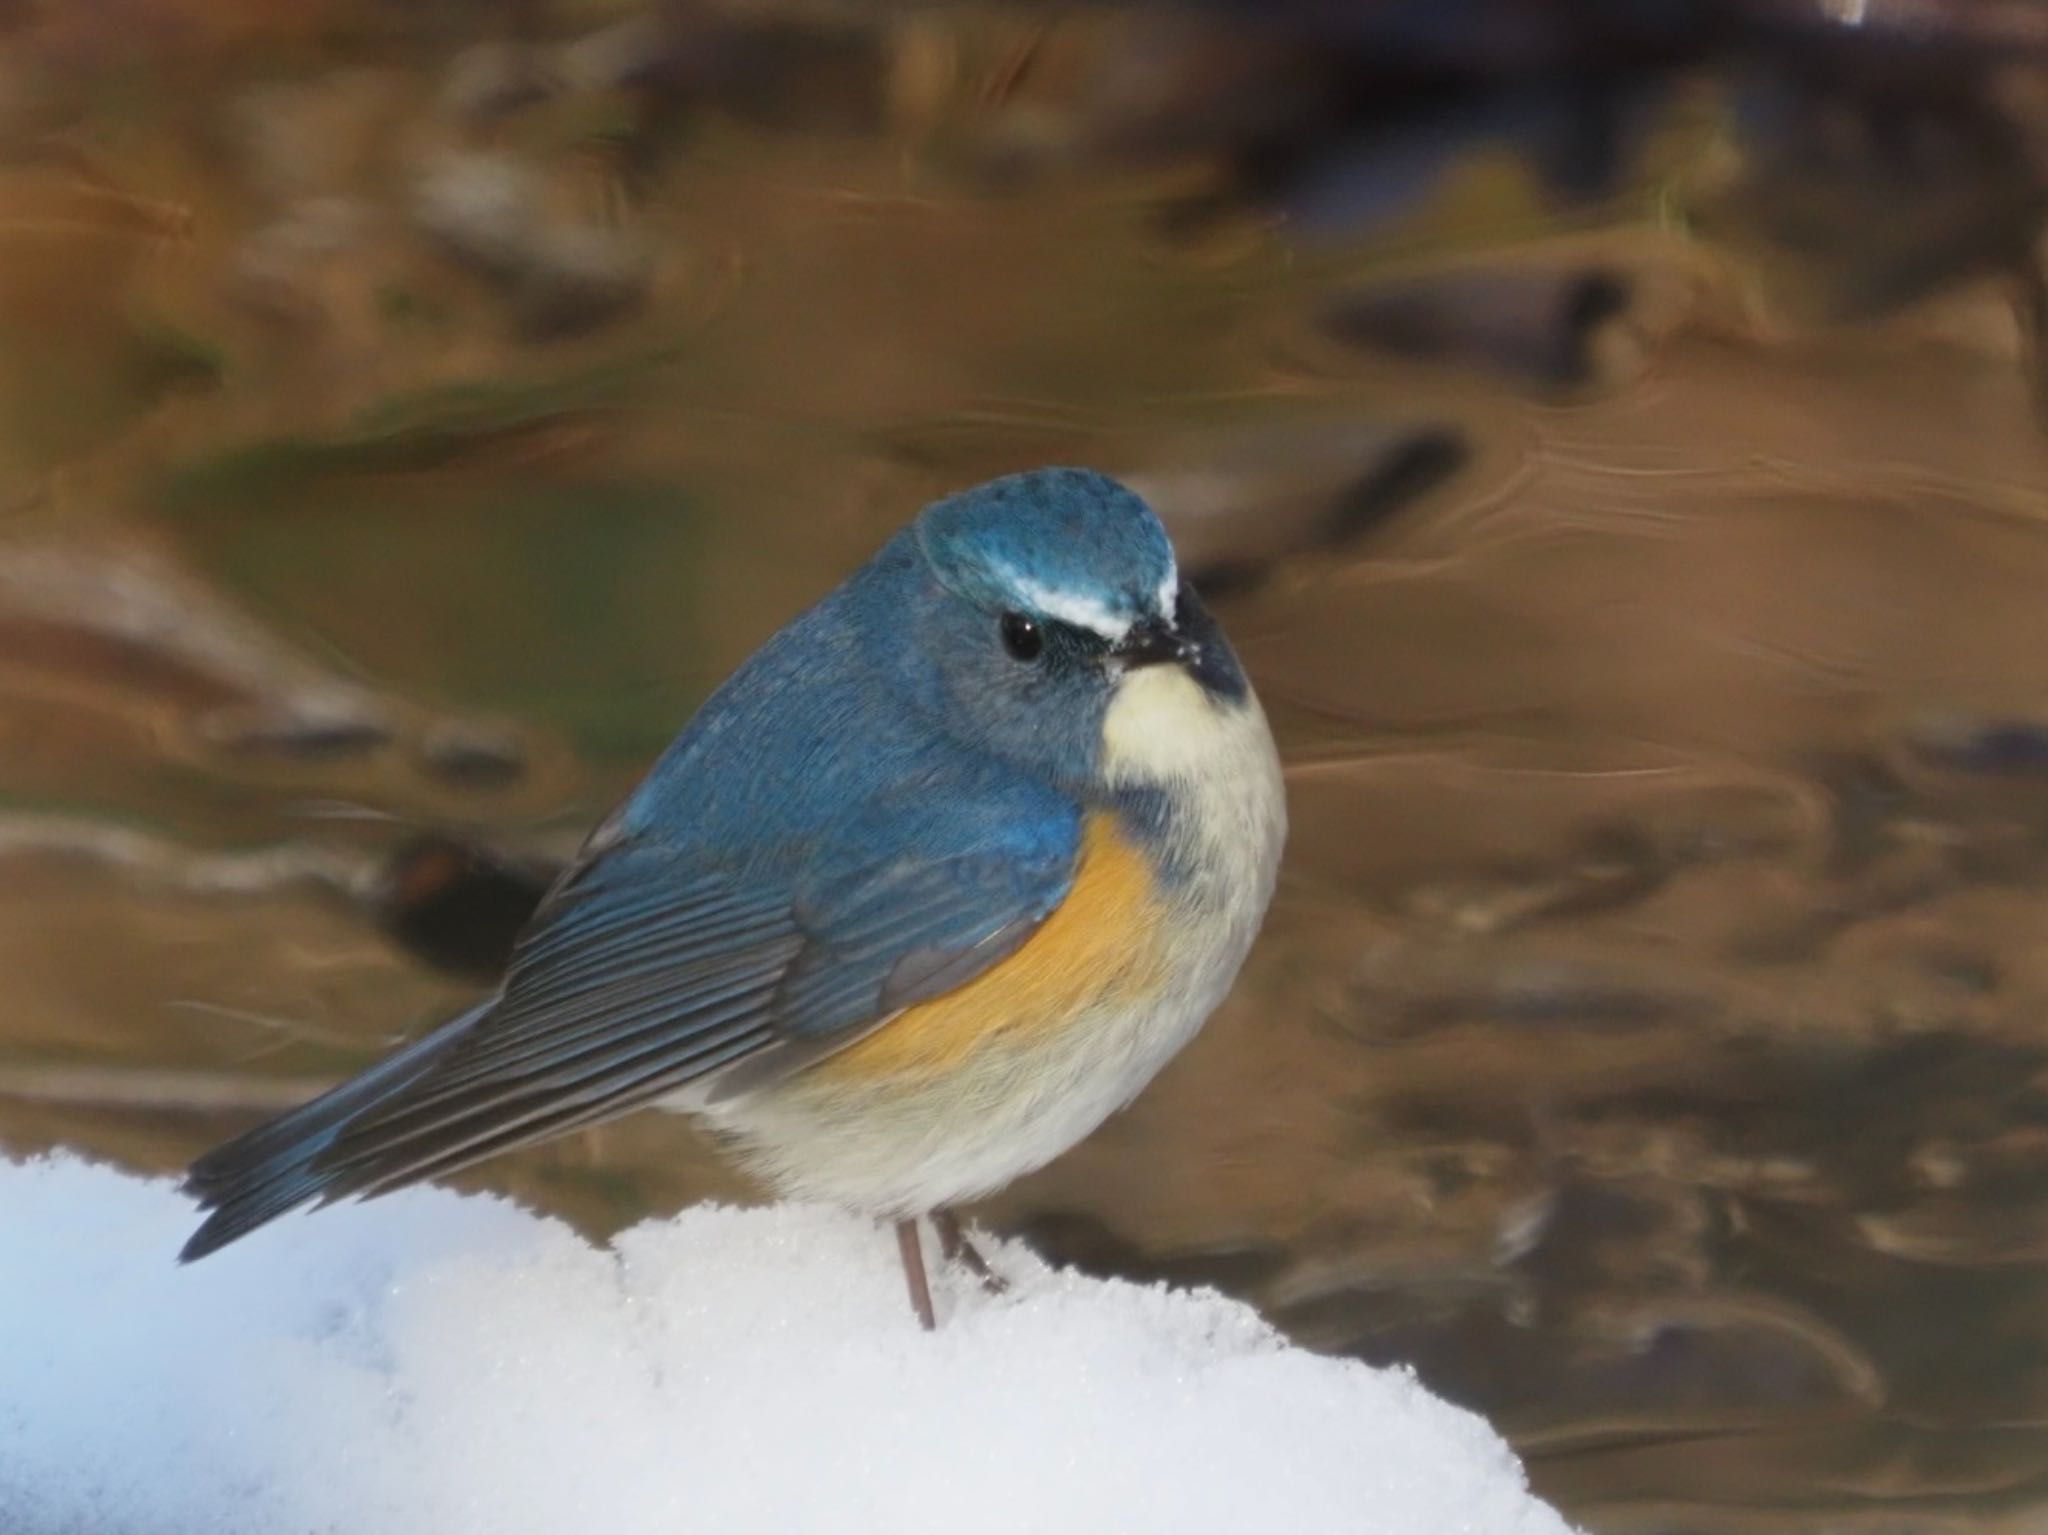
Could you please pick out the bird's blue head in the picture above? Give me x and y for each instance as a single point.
(1037, 615)
(1061, 545)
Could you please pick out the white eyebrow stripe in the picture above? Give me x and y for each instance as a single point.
(1169, 591)
(1081, 612)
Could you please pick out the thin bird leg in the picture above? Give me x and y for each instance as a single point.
(955, 1247)
(913, 1271)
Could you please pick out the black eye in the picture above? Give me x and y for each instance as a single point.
(1021, 637)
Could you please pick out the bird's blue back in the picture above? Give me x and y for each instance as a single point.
(837, 726)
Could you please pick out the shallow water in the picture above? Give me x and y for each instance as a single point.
(401, 429)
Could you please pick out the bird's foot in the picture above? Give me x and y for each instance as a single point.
(956, 1248)
(913, 1273)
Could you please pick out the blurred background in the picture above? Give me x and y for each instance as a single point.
(1612, 431)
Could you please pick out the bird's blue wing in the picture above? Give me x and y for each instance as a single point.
(648, 971)
(652, 966)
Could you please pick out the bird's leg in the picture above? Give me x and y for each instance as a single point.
(913, 1271)
(953, 1244)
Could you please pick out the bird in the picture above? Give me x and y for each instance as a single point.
(931, 886)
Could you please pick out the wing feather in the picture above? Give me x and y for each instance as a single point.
(649, 969)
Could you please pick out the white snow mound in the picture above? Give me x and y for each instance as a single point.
(442, 1363)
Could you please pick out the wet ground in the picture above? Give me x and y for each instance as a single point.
(1616, 445)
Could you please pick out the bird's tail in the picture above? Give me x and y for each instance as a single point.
(276, 1167)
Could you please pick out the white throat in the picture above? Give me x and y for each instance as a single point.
(1162, 727)
(1214, 760)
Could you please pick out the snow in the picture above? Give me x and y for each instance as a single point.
(444, 1363)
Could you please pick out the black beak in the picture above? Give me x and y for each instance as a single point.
(1153, 643)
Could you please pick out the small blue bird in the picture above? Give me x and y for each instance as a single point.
(934, 884)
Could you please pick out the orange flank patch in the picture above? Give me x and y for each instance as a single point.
(1100, 945)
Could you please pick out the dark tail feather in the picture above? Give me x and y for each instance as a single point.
(276, 1167)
